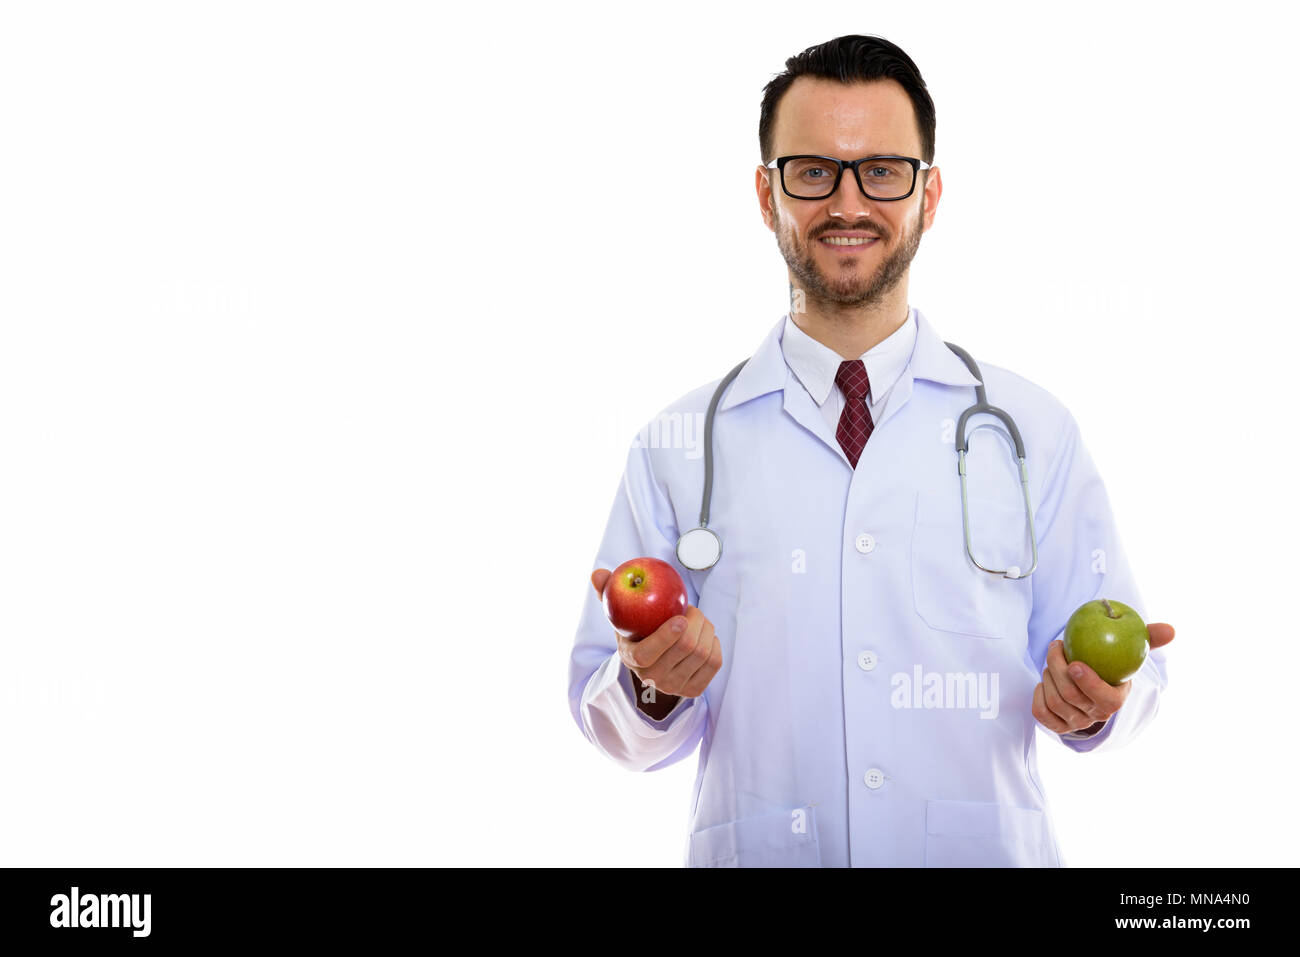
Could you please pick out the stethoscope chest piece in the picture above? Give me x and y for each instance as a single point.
(699, 548)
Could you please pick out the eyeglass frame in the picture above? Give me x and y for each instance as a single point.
(917, 165)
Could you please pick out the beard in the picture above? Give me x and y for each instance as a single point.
(853, 283)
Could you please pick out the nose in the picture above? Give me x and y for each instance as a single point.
(848, 201)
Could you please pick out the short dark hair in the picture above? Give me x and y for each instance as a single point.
(851, 59)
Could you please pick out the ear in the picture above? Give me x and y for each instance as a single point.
(933, 190)
(762, 185)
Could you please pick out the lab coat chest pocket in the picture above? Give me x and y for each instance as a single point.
(951, 594)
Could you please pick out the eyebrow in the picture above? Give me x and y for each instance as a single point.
(863, 156)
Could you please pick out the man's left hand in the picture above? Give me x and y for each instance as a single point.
(1071, 696)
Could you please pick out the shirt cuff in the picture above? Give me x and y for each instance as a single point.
(1092, 732)
(625, 679)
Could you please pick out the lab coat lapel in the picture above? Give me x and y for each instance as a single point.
(933, 361)
(767, 372)
(799, 405)
(764, 372)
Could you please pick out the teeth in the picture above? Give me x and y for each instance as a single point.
(847, 240)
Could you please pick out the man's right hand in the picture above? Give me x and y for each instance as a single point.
(679, 659)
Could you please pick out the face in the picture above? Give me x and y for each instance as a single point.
(847, 121)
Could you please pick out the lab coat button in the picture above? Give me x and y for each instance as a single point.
(875, 778)
(867, 660)
(865, 543)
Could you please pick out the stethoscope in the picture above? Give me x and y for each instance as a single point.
(700, 548)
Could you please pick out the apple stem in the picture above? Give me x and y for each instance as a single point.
(1110, 612)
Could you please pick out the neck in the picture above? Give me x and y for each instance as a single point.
(852, 330)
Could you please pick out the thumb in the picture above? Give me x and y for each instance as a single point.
(598, 579)
(1160, 634)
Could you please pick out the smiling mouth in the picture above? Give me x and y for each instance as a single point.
(848, 242)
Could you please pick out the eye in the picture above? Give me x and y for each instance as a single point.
(885, 169)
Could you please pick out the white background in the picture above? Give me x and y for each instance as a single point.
(316, 381)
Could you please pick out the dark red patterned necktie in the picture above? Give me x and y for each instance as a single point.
(855, 421)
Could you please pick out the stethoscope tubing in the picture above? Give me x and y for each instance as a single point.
(981, 406)
(708, 441)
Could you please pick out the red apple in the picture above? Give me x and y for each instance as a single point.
(641, 595)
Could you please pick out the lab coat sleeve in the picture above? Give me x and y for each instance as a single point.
(641, 523)
(1081, 558)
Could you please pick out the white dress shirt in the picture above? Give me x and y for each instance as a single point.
(815, 365)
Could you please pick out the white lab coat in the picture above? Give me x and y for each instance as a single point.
(873, 706)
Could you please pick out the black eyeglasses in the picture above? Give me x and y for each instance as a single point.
(815, 177)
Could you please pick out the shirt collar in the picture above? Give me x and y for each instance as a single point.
(816, 365)
(766, 371)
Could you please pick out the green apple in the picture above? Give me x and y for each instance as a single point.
(1109, 637)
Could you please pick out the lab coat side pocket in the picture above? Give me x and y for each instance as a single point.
(786, 838)
(980, 834)
(950, 593)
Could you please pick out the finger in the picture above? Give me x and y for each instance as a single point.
(1106, 698)
(1065, 685)
(598, 579)
(1087, 692)
(1160, 634)
(1072, 716)
(1044, 716)
(697, 682)
(645, 654)
(681, 649)
(680, 674)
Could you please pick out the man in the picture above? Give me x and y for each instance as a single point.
(862, 693)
